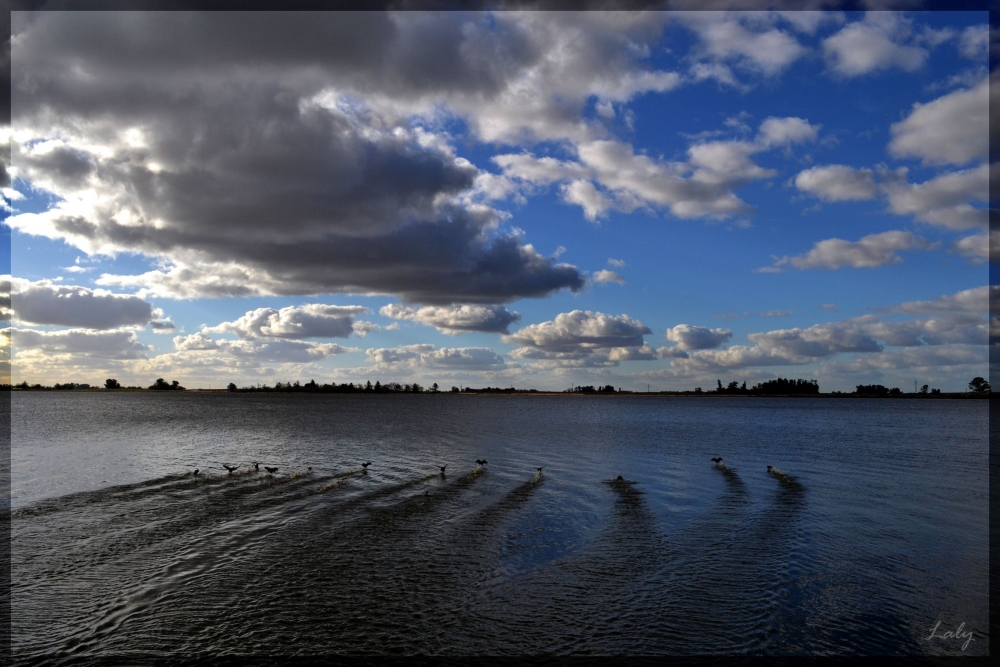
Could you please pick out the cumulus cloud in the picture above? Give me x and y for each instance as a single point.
(882, 40)
(453, 320)
(112, 344)
(611, 176)
(5, 312)
(974, 42)
(579, 337)
(975, 300)
(690, 337)
(314, 320)
(946, 200)
(949, 130)
(605, 276)
(751, 41)
(976, 247)
(868, 252)
(311, 170)
(425, 356)
(837, 182)
(43, 302)
(943, 200)
(949, 322)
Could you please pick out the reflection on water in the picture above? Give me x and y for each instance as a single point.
(118, 549)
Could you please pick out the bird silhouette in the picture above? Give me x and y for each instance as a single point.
(442, 468)
(230, 468)
(196, 470)
(539, 469)
(481, 462)
(256, 466)
(270, 469)
(365, 465)
(718, 460)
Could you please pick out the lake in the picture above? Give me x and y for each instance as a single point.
(876, 535)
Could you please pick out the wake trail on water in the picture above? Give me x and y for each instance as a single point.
(153, 554)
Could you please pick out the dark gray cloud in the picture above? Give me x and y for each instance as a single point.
(283, 147)
(44, 302)
(115, 344)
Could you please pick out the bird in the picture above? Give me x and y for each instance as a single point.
(309, 469)
(482, 462)
(270, 469)
(230, 468)
(195, 473)
(442, 468)
(365, 465)
(620, 479)
(539, 469)
(718, 460)
(775, 471)
(256, 466)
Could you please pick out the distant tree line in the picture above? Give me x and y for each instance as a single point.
(780, 386)
(332, 388)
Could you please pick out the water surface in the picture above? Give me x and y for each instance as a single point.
(878, 532)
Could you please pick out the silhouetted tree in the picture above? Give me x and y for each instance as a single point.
(979, 386)
(112, 383)
(923, 390)
(231, 387)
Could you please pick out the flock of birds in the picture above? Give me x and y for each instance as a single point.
(480, 463)
(771, 469)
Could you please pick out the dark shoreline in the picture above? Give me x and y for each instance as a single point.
(637, 394)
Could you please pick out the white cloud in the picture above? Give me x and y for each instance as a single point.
(976, 247)
(837, 183)
(974, 42)
(747, 40)
(943, 200)
(700, 187)
(689, 337)
(877, 42)
(868, 252)
(43, 302)
(604, 276)
(453, 320)
(580, 338)
(313, 320)
(617, 263)
(975, 300)
(952, 129)
(785, 131)
(425, 356)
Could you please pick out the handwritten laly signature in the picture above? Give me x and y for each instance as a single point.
(956, 634)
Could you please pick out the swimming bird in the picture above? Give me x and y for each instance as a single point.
(718, 460)
(482, 462)
(270, 469)
(230, 468)
(442, 468)
(620, 479)
(539, 469)
(365, 465)
(195, 473)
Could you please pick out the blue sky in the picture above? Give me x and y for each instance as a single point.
(530, 199)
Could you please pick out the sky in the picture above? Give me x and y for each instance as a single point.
(532, 199)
